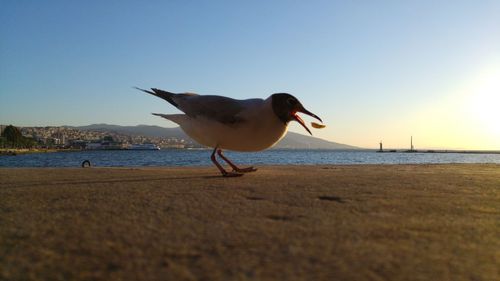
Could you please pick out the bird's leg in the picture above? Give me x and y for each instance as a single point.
(235, 168)
(221, 169)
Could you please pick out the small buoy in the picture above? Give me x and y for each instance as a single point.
(317, 126)
(86, 164)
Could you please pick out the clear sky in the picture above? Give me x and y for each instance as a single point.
(373, 70)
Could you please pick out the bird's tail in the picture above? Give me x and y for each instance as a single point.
(168, 96)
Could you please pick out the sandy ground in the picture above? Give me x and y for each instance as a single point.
(374, 222)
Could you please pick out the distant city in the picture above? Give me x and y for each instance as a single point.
(75, 138)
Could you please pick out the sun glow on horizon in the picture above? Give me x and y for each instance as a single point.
(482, 104)
(467, 116)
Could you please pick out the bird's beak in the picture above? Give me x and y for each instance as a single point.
(301, 122)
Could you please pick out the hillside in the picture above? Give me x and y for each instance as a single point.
(290, 141)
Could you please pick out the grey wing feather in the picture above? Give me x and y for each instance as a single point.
(221, 109)
(168, 96)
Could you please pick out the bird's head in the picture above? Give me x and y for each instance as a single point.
(286, 107)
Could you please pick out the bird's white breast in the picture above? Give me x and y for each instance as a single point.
(260, 130)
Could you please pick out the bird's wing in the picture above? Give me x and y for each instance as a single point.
(222, 109)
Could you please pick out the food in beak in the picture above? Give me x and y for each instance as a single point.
(317, 126)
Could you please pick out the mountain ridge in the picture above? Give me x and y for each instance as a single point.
(290, 141)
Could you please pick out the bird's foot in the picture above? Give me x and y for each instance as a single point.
(245, 170)
(232, 174)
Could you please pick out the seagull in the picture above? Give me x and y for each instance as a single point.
(238, 125)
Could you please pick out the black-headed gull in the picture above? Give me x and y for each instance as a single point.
(239, 125)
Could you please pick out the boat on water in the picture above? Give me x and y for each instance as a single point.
(144, 146)
(105, 145)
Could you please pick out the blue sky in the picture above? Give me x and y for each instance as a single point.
(373, 70)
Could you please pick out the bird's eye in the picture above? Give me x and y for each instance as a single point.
(291, 101)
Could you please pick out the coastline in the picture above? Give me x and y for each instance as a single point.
(20, 151)
(17, 151)
(349, 222)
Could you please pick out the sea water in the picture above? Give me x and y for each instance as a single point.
(182, 157)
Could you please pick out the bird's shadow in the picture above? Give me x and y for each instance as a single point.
(210, 177)
(331, 198)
